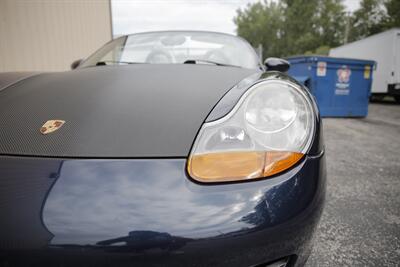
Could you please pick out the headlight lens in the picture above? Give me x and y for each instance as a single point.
(269, 130)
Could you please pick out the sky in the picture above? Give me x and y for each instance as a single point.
(131, 16)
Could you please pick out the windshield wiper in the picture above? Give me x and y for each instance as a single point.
(196, 61)
(103, 63)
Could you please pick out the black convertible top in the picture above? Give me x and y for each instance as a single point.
(127, 111)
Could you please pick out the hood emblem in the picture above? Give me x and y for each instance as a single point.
(51, 126)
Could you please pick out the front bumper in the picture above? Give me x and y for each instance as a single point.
(148, 213)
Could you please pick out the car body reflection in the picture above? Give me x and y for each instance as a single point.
(140, 241)
(138, 208)
(97, 200)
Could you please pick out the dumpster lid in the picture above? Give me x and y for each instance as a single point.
(337, 60)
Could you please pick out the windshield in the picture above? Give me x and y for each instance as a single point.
(176, 48)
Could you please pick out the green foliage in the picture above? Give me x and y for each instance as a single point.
(322, 50)
(292, 27)
(261, 23)
(299, 32)
(374, 16)
(366, 20)
(393, 14)
(331, 22)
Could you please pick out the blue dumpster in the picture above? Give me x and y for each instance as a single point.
(341, 86)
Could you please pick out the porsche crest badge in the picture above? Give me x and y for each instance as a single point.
(51, 126)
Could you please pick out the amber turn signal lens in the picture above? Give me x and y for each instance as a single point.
(236, 166)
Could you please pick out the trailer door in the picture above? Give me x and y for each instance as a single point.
(396, 53)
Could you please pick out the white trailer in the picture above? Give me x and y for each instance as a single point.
(384, 48)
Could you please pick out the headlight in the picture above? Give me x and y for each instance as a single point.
(269, 130)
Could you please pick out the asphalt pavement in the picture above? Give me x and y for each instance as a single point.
(360, 225)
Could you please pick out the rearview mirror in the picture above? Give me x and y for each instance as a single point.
(277, 64)
(76, 63)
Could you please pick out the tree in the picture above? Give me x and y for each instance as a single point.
(291, 27)
(367, 20)
(331, 23)
(299, 33)
(393, 14)
(261, 23)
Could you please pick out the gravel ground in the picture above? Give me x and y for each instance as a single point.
(360, 225)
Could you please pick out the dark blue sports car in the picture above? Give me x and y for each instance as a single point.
(161, 149)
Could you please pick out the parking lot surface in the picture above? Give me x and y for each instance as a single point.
(360, 225)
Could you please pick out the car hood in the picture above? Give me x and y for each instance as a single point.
(131, 111)
(8, 78)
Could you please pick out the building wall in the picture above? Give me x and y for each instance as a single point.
(47, 35)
